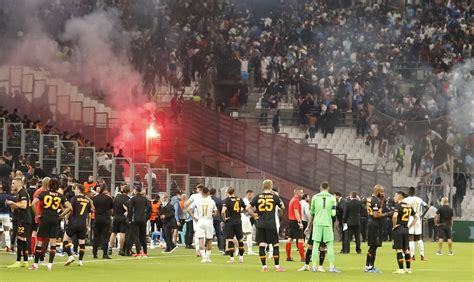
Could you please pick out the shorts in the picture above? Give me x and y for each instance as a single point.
(400, 238)
(233, 229)
(269, 236)
(323, 233)
(244, 75)
(444, 232)
(23, 230)
(204, 229)
(247, 227)
(374, 236)
(80, 231)
(5, 221)
(416, 229)
(48, 227)
(294, 230)
(119, 225)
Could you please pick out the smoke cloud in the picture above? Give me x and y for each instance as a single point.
(91, 51)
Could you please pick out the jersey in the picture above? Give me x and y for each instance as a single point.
(81, 207)
(52, 203)
(266, 204)
(234, 207)
(445, 215)
(373, 205)
(404, 211)
(119, 202)
(416, 203)
(23, 215)
(323, 208)
(204, 208)
(193, 198)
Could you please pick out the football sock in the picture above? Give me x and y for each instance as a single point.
(308, 256)
(288, 250)
(52, 253)
(322, 256)
(249, 242)
(33, 243)
(67, 248)
(19, 249)
(411, 244)
(261, 253)
(231, 249)
(37, 254)
(315, 253)
(400, 260)
(208, 254)
(241, 248)
(276, 255)
(330, 250)
(196, 243)
(25, 251)
(301, 249)
(421, 246)
(408, 260)
(82, 249)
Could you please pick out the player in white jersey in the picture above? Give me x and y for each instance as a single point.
(247, 227)
(416, 229)
(193, 198)
(203, 210)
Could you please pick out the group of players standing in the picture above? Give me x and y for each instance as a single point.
(50, 206)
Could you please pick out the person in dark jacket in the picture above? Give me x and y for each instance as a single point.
(103, 204)
(351, 222)
(138, 214)
(167, 213)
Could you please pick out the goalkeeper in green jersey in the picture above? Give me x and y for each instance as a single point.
(323, 208)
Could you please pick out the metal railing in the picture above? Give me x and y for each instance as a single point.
(304, 165)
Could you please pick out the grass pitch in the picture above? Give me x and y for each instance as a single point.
(183, 265)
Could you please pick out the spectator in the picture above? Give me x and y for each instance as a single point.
(276, 122)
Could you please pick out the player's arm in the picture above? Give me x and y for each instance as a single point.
(436, 218)
(224, 213)
(426, 207)
(191, 211)
(394, 220)
(33, 206)
(66, 209)
(251, 212)
(415, 219)
(334, 207)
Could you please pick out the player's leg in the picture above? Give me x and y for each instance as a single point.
(299, 243)
(239, 235)
(441, 235)
(272, 239)
(82, 250)
(412, 245)
(260, 238)
(67, 246)
(322, 255)
(449, 237)
(113, 236)
(52, 251)
(289, 241)
(400, 259)
(38, 253)
(202, 248)
(421, 244)
(309, 250)
(209, 248)
(317, 238)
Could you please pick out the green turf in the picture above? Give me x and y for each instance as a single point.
(183, 265)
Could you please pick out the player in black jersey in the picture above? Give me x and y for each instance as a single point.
(119, 220)
(374, 205)
(231, 210)
(400, 218)
(23, 219)
(265, 204)
(79, 222)
(103, 206)
(52, 202)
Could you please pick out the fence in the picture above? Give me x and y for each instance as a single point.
(304, 165)
(45, 98)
